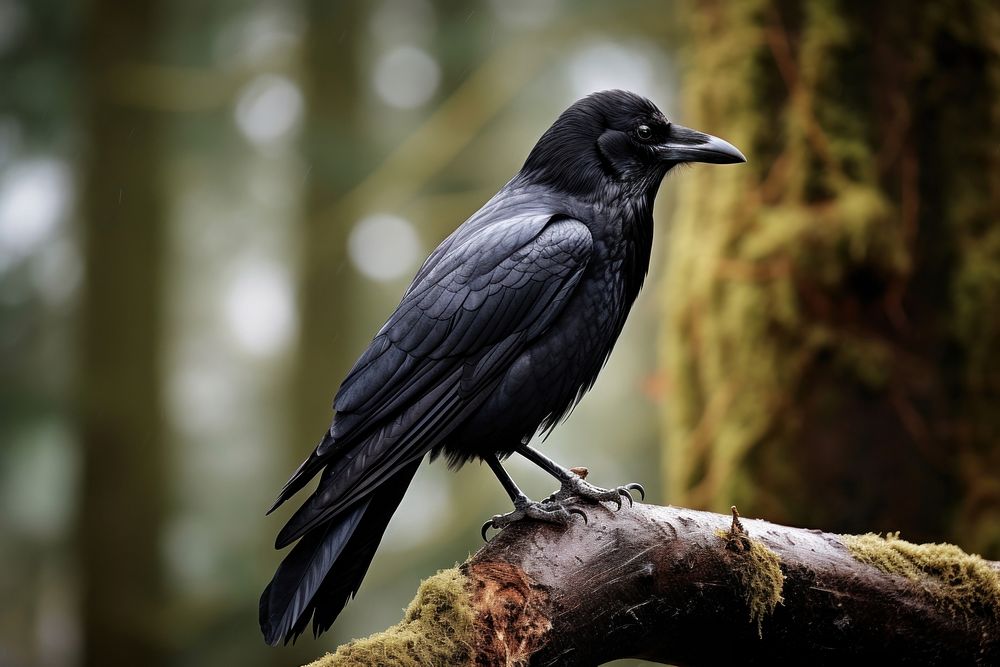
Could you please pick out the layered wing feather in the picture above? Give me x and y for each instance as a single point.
(472, 309)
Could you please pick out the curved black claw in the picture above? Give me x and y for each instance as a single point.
(548, 511)
(577, 487)
(636, 486)
(625, 492)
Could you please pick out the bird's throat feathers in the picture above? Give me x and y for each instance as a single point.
(637, 234)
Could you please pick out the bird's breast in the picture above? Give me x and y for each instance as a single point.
(580, 339)
(544, 382)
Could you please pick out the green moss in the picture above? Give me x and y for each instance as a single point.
(795, 304)
(957, 582)
(437, 629)
(759, 572)
(747, 242)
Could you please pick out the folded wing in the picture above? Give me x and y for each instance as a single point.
(474, 306)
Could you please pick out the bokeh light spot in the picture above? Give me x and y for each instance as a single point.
(33, 198)
(383, 247)
(406, 77)
(607, 65)
(268, 109)
(260, 308)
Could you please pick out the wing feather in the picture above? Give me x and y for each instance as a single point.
(459, 327)
(404, 359)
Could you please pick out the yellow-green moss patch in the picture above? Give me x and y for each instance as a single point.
(437, 629)
(791, 287)
(956, 581)
(759, 572)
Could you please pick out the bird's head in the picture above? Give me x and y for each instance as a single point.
(618, 136)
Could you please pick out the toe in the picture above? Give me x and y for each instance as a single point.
(549, 513)
(554, 513)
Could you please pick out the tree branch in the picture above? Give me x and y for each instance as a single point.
(695, 588)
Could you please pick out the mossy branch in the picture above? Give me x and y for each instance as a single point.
(694, 588)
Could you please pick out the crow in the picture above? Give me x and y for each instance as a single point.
(504, 328)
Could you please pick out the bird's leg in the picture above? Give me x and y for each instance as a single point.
(524, 507)
(574, 486)
(508, 483)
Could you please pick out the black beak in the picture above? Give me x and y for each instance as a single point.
(687, 145)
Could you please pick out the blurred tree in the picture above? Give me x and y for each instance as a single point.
(833, 346)
(37, 466)
(119, 380)
(332, 146)
(330, 291)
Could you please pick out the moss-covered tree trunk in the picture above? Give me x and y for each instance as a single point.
(833, 328)
(119, 379)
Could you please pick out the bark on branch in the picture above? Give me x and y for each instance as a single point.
(695, 588)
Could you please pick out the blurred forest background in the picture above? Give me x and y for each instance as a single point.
(207, 209)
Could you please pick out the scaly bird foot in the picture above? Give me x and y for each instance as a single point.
(578, 488)
(549, 512)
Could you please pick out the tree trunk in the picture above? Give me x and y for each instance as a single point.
(119, 380)
(692, 588)
(841, 290)
(328, 284)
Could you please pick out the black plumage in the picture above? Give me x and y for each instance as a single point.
(503, 329)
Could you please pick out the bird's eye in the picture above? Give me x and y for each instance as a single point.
(644, 132)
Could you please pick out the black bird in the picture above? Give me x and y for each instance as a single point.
(504, 328)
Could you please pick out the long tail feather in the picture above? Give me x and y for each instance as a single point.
(293, 587)
(326, 567)
(337, 590)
